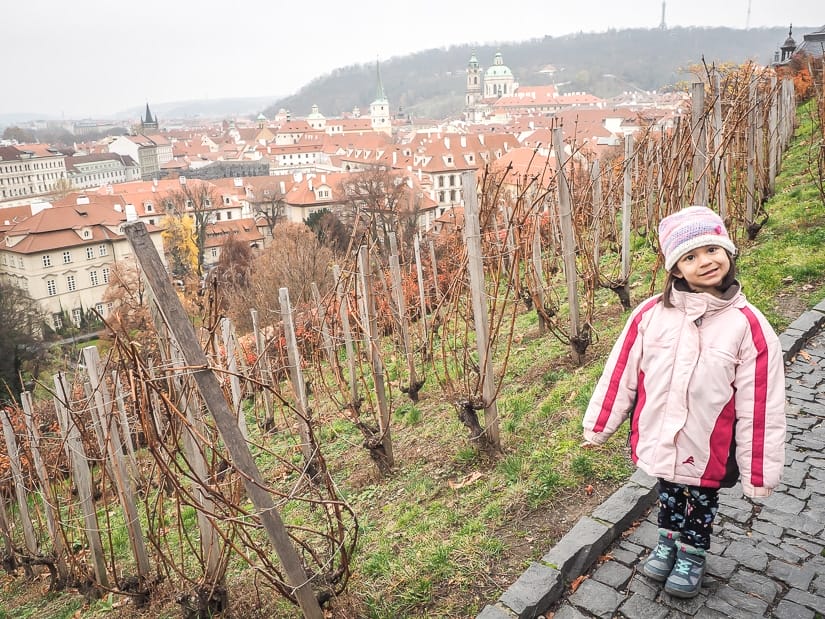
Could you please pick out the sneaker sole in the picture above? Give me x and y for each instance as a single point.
(657, 576)
(678, 593)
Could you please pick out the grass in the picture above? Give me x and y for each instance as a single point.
(452, 527)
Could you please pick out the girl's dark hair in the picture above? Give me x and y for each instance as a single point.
(671, 279)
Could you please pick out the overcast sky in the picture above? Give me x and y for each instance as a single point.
(92, 58)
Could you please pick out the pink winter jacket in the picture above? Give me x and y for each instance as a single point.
(698, 380)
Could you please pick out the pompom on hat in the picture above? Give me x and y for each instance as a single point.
(689, 229)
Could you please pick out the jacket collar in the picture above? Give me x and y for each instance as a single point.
(703, 304)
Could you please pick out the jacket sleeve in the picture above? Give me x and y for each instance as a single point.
(615, 393)
(760, 409)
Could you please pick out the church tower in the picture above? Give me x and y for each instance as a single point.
(472, 99)
(149, 124)
(380, 108)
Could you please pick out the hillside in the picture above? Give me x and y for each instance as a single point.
(430, 83)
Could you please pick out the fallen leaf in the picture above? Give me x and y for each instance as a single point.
(465, 481)
(578, 581)
(589, 490)
(804, 354)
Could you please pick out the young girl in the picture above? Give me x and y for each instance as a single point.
(700, 372)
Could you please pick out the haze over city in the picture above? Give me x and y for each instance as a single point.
(93, 58)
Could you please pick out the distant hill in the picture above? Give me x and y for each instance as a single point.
(431, 83)
(207, 108)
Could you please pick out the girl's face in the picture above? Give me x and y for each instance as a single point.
(704, 269)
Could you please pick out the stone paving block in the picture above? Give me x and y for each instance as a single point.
(733, 603)
(688, 606)
(808, 323)
(792, 575)
(794, 475)
(534, 591)
(785, 552)
(782, 502)
(721, 567)
(613, 574)
(625, 505)
(494, 612)
(819, 307)
(790, 345)
(644, 586)
(803, 523)
(808, 600)
(579, 548)
(623, 556)
(639, 607)
(646, 534)
(748, 555)
(819, 585)
(640, 478)
(755, 584)
(766, 528)
(568, 612)
(596, 598)
(789, 610)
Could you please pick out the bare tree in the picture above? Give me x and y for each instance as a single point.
(376, 196)
(269, 204)
(198, 200)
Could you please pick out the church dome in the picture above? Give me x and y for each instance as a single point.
(499, 69)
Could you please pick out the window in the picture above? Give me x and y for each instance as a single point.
(109, 307)
(67, 257)
(103, 250)
(214, 252)
(57, 321)
(71, 286)
(47, 260)
(229, 214)
(93, 280)
(51, 287)
(87, 234)
(90, 253)
(77, 313)
(105, 275)
(149, 207)
(99, 309)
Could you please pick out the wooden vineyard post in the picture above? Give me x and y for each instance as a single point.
(627, 204)
(114, 449)
(29, 537)
(595, 177)
(401, 307)
(321, 313)
(234, 381)
(435, 272)
(370, 323)
(481, 318)
(718, 156)
(750, 155)
(48, 496)
(772, 138)
(568, 243)
(537, 272)
(264, 367)
(192, 433)
(422, 298)
(212, 395)
(700, 147)
(82, 479)
(343, 312)
(296, 375)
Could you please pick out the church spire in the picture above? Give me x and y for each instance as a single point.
(380, 95)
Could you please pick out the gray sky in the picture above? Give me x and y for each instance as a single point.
(91, 58)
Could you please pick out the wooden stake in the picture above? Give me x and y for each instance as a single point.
(481, 318)
(212, 395)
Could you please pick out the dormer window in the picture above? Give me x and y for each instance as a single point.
(149, 207)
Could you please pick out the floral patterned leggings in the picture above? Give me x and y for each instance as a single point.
(689, 510)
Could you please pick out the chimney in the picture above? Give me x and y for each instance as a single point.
(118, 208)
(131, 213)
(446, 142)
(394, 158)
(323, 179)
(463, 141)
(154, 182)
(154, 188)
(82, 200)
(481, 138)
(309, 183)
(283, 187)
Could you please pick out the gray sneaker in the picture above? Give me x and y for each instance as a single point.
(685, 580)
(660, 562)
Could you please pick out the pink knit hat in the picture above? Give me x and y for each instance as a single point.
(690, 228)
